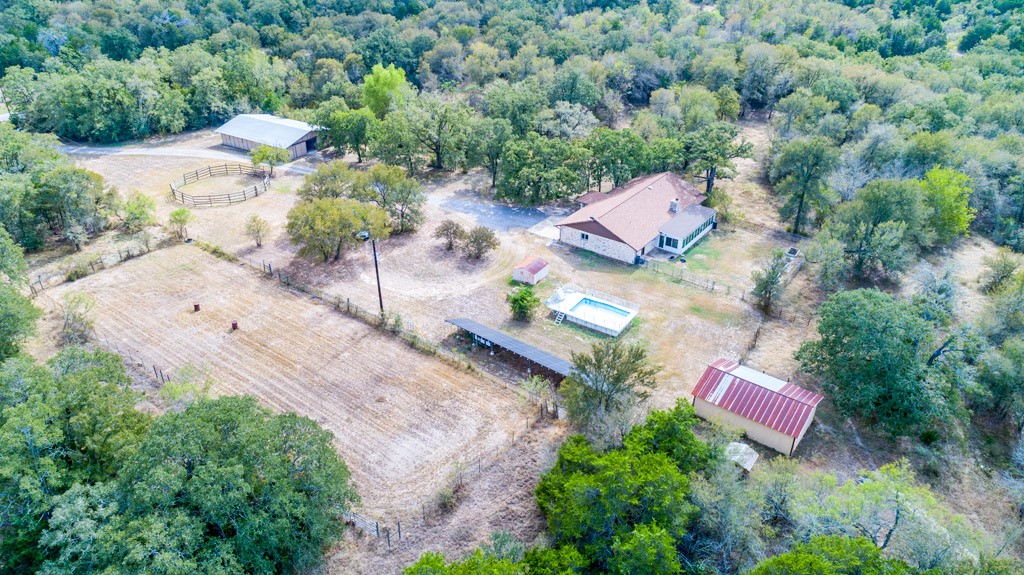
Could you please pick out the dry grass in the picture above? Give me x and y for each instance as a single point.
(399, 423)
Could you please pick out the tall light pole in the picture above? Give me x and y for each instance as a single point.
(365, 236)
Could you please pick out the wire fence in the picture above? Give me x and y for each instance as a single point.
(676, 271)
(193, 201)
(134, 359)
(419, 519)
(388, 322)
(570, 288)
(743, 293)
(93, 264)
(390, 531)
(770, 233)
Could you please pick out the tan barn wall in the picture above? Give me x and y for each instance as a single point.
(239, 143)
(543, 273)
(296, 151)
(760, 433)
(597, 244)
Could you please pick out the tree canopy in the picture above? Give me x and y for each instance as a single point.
(91, 484)
(874, 360)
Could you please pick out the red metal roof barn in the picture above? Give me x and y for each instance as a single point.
(770, 411)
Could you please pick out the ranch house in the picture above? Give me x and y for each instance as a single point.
(248, 131)
(656, 212)
(770, 411)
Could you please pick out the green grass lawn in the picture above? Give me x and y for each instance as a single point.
(703, 257)
(715, 315)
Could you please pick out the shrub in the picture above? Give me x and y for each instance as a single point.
(137, 212)
(77, 324)
(179, 221)
(768, 282)
(999, 268)
(479, 241)
(217, 252)
(257, 228)
(523, 303)
(77, 272)
(451, 232)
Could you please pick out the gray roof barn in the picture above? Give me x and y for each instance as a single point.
(248, 131)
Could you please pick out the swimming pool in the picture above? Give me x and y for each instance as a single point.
(591, 311)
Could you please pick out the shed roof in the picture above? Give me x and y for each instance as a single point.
(774, 403)
(633, 213)
(687, 220)
(538, 356)
(266, 129)
(532, 264)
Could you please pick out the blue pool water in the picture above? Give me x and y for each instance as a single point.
(588, 307)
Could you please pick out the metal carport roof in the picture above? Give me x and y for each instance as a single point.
(525, 350)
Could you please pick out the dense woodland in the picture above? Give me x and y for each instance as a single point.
(897, 131)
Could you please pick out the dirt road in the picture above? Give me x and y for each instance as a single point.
(202, 153)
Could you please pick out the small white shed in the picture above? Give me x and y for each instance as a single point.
(530, 271)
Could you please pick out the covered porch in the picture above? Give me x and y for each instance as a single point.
(686, 229)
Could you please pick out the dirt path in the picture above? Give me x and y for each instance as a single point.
(177, 153)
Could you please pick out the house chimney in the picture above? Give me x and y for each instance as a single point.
(673, 206)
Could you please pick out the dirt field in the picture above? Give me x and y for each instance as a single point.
(400, 423)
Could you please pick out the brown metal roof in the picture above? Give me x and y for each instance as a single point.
(771, 402)
(633, 213)
(532, 265)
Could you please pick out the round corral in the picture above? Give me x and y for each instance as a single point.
(214, 171)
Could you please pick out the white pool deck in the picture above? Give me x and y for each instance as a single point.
(586, 308)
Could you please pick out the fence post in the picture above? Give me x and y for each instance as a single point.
(399, 530)
(376, 526)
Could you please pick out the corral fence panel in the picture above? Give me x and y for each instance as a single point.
(194, 201)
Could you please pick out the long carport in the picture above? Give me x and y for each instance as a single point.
(490, 338)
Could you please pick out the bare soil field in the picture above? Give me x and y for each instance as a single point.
(399, 422)
(498, 499)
